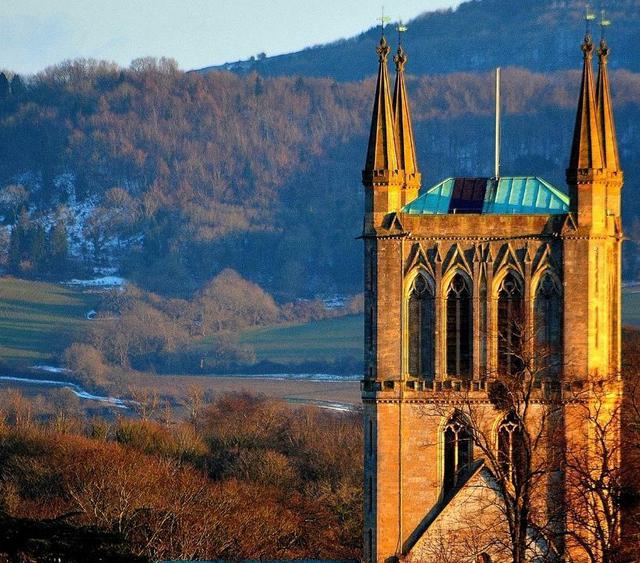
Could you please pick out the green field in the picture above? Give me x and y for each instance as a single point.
(39, 320)
(631, 308)
(325, 340)
(334, 338)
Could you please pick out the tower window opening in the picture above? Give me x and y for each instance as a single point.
(548, 326)
(511, 451)
(510, 326)
(458, 452)
(483, 324)
(421, 325)
(459, 327)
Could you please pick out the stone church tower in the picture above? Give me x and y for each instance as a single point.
(469, 283)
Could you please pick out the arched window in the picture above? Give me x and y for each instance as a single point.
(511, 453)
(421, 328)
(459, 327)
(548, 325)
(510, 325)
(458, 451)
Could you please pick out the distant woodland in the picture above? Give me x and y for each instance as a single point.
(174, 177)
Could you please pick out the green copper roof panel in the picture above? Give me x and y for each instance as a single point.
(435, 201)
(523, 195)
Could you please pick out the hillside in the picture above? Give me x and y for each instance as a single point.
(174, 176)
(479, 35)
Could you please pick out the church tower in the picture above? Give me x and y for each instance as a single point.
(472, 287)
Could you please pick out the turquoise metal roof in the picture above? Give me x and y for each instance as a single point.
(518, 195)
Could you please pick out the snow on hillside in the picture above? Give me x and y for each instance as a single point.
(76, 215)
(105, 281)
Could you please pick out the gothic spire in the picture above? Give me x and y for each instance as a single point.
(402, 119)
(586, 150)
(605, 112)
(381, 154)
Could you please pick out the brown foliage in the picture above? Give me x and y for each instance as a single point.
(290, 486)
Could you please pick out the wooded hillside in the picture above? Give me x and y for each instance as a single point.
(176, 176)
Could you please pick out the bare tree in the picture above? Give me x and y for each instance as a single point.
(594, 473)
(523, 453)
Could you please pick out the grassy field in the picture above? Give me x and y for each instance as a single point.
(333, 338)
(324, 340)
(39, 320)
(631, 308)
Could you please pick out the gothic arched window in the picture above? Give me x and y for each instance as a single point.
(458, 451)
(548, 325)
(511, 453)
(510, 325)
(421, 328)
(459, 327)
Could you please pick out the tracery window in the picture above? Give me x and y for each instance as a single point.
(482, 312)
(421, 321)
(459, 327)
(458, 451)
(511, 452)
(548, 325)
(510, 325)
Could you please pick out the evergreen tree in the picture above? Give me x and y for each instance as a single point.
(4, 86)
(58, 249)
(38, 251)
(258, 88)
(15, 254)
(17, 86)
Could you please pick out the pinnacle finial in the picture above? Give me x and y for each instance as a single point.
(400, 59)
(587, 46)
(383, 49)
(603, 51)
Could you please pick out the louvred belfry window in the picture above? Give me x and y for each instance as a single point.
(421, 328)
(459, 327)
(510, 326)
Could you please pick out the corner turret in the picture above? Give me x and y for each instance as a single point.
(404, 132)
(585, 174)
(381, 176)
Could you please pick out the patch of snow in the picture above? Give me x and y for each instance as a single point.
(51, 369)
(316, 377)
(76, 389)
(106, 281)
(334, 302)
(340, 407)
(66, 182)
(110, 271)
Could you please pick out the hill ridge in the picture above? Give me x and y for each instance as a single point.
(540, 35)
